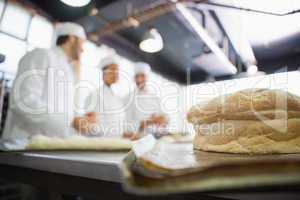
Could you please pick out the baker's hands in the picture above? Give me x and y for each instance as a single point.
(155, 119)
(86, 123)
(91, 117)
(159, 120)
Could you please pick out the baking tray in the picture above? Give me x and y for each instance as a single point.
(213, 172)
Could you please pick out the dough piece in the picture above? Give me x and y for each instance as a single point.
(77, 143)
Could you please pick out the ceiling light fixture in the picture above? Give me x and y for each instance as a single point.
(94, 12)
(152, 41)
(134, 22)
(76, 3)
(252, 69)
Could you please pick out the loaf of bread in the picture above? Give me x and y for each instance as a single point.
(255, 121)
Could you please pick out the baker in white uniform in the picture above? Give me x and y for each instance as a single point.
(145, 114)
(42, 96)
(105, 103)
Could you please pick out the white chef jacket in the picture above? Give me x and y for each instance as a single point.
(41, 99)
(142, 104)
(109, 109)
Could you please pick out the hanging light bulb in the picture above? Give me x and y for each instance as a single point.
(252, 69)
(152, 41)
(76, 3)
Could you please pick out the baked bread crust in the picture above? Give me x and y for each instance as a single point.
(257, 121)
(245, 104)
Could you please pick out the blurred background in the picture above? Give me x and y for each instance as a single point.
(197, 49)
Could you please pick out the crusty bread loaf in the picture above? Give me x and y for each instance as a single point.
(249, 121)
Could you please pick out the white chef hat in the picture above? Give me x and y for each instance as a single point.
(142, 68)
(108, 61)
(70, 28)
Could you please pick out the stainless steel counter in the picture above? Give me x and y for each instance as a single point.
(94, 165)
(89, 173)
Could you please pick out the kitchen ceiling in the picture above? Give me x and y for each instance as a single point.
(62, 12)
(182, 45)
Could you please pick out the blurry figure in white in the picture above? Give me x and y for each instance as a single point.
(105, 103)
(144, 114)
(42, 96)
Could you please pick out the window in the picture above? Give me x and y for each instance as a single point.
(20, 33)
(13, 49)
(1, 6)
(264, 29)
(15, 21)
(40, 33)
(279, 7)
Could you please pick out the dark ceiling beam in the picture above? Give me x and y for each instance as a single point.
(121, 44)
(149, 13)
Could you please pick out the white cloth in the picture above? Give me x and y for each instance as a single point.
(41, 99)
(142, 68)
(141, 105)
(109, 109)
(108, 61)
(70, 28)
